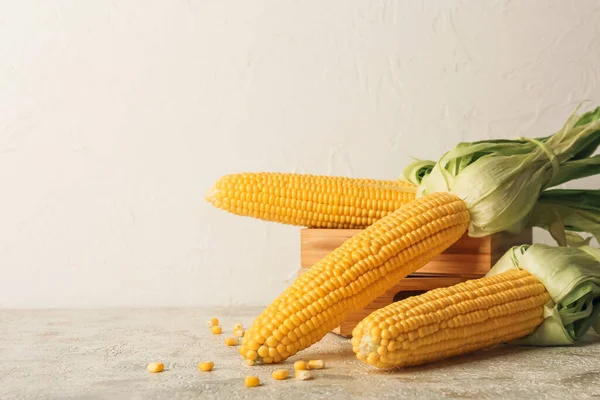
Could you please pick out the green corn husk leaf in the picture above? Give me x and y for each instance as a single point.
(571, 170)
(501, 180)
(575, 240)
(581, 164)
(577, 169)
(564, 212)
(417, 170)
(572, 278)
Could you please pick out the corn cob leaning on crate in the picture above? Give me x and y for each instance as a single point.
(313, 201)
(534, 295)
(485, 187)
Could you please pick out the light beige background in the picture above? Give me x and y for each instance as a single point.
(116, 118)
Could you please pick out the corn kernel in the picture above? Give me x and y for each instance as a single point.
(303, 374)
(237, 326)
(316, 364)
(206, 366)
(216, 329)
(300, 365)
(251, 355)
(263, 351)
(238, 332)
(213, 322)
(231, 341)
(250, 362)
(280, 374)
(251, 381)
(155, 367)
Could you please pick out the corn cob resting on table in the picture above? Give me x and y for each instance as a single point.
(364, 267)
(480, 188)
(535, 295)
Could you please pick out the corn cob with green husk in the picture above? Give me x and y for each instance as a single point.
(535, 295)
(480, 188)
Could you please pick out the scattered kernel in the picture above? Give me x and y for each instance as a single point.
(250, 362)
(251, 381)
(231, 341)
(316, 364)
(280, 374)
(303, 374)
(213, 322)
(155, 367)
(206, 366)
(300, 365)
(238, 332)
(237, 326)
(216, 329)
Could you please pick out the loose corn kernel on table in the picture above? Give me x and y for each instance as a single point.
(103, 354)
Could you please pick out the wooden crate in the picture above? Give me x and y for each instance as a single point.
(467, 259)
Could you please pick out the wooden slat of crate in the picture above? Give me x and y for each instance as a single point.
(468, 257)
(409, 287)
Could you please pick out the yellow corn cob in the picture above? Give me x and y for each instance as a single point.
(310, 200)
(355, 274)
(450, 321)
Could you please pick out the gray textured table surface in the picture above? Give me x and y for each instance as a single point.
(102, 354)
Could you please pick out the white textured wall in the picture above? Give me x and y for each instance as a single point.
(116, 118)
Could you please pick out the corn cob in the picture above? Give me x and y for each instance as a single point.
(355, 274)
(312, 201)
(446, 322)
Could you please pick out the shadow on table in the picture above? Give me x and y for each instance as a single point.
(496, 352)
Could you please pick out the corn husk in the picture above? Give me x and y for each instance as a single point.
(572, 278)
(501, 180)
(416, 171)
(567, 213)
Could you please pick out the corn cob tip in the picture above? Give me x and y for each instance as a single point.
(363, 345)
(210, 195)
